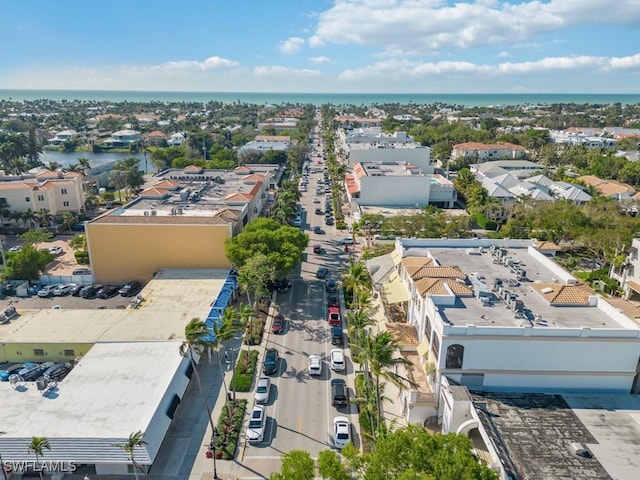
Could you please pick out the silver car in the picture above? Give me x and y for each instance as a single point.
(263, 389)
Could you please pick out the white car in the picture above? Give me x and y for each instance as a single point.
(56, 250)
(46, 291)
(257, 421)
(263, 389)
(61, 290)
(315, 365)
(341, 432)
(337, 360)
(347, 241)
(297, 222)
(15, 249)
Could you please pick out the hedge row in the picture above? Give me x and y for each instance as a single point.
(226, 440)
(244, 371)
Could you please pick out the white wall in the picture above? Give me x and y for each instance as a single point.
(394, 191)
(420, 156)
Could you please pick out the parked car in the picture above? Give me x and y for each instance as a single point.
(297, 222)
(58, 371)
(322, 272)
(318, 231)
(257, 421)
(347, 241)
(278, 324)
(333, 317)
(263, 388)
(319, 211)
(77, 227)
(328, 221)
(82, 271)
(30, 372)
(108, 291)
(90, 291)
(333, 301)
(17, 248)
(75, 291)
(332, 286)
(339, 393)
(270, 364)
(337, 360)
(7, 314)
(65, 289)
(337, 337)
(314, 365)
(56, 250)
(46, 291)
(13, 369)
(341, 432)
(130, 288)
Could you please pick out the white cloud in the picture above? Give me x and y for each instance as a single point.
(315, 41)
(284, 72)
(424, 26)
(211, 63)
(291, 45)
(320, 60)
(503, 54)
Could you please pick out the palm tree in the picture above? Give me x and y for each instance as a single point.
(195, 343)
(52, 167)
(382, 356)
(225, 332)
(357, 278)
(245, 314)
(135, 440)
(37, 446)
(357, 321)
(4, 212)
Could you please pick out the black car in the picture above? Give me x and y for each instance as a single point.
(108, 291)
(75, 290)
(322, 272)
(270, 365)
(328, 221)
(333, 301)
(318, 231)
(337, 336)
(339, 394)
(90, 291)
(58, 371)
(281, 285)
(130, 289)
(77, 227)
(332, 286)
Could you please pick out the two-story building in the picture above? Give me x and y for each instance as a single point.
(482, 152)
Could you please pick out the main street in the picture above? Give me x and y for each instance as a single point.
(300, 414)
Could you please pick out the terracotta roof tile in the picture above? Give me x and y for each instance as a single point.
(436, 286)
(564, 294)
(548, 246)
(404, 333)
(438, 272)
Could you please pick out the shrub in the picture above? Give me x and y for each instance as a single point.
(341, 225)
(364, 414)
(244, 370)
(82, 257)
(226, 440)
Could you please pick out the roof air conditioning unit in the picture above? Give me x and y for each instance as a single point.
(154, 213)
(146, 213)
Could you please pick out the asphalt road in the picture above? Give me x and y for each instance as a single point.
(300, 414)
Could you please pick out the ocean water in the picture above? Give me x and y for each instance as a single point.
(463, 99)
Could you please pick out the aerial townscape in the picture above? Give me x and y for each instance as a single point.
(263, 282)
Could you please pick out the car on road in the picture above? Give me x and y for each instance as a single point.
(328, 221)
(332, 286)
(322, 272)
(316, 200)
(17, 248)
(108, 291)
(130, 288)
(314, 365)
(7, 314)
(333, 317)
(297, 222)
(270, 364)
(61, 290)
(263, 389)
(341, 432)
(337, 337)
(277, 326)
(319, 211)
(56, 250)
(257, 421)
(46, 291)
(337, 360)
(318, 231)
(333, 301)
(339, 393)
(347, 241)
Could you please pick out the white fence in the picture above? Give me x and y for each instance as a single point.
(61, 279)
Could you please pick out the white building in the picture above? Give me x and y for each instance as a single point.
(373, 136)
(411, 153)
(398, 184)
(482, 152)
(499, 315)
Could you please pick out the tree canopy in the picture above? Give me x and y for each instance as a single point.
(281, 244)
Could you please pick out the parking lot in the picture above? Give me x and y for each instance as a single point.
(66, 302)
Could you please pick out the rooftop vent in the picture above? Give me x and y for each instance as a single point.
(546, 290)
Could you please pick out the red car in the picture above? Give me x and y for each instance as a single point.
(334, 317)
(278, 324)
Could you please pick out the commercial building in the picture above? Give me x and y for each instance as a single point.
(411, 153)
(180, 222)
(374, 136)
(129, 375)
(265, 143)
(481, 152)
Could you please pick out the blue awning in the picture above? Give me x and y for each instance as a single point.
(221, 302)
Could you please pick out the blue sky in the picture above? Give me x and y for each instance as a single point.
(349, 46)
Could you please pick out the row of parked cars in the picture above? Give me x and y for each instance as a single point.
(90, 291)
(30, 371)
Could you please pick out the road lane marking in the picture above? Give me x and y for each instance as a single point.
(300, 425)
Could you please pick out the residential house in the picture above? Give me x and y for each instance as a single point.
(609, 188)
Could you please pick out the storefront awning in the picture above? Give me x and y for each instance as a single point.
(633, 286)
(395, 291)
(423, 348)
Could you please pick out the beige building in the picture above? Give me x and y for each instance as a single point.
(57, 192)
(180, 222)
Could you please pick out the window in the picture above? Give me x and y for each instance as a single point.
(38, 352)
(63, 191)
(171, 409)
(41, 198)
(65, 204)
(455, 354)
(3, 201)
(69, 352)
(27, 199)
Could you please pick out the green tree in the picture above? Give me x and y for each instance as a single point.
(133, 176)
(331, 467)
(282, 245)
(134, 442)
(224, 332)
(78, 243)
(412, 452)
(196, 342)
(357, 278)
(27, 264)
(34, 237)
(37, 446)
(254, 277)
(296, 465)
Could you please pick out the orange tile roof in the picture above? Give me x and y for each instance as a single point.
(238, 196)
(405, 334)
(169, 184)
(255, 190)
(156, 134)
(242, 168)
(564, 294)
(254, 177)
(359, 170)
(154, 192)
(352, 185)
(15, 185)
(548, 246)
(273, 138)
(436, 286)
(48, 184)
(487, 146)
(438, 272)
(193, 169)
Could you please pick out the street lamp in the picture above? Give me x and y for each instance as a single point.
(212, 449)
